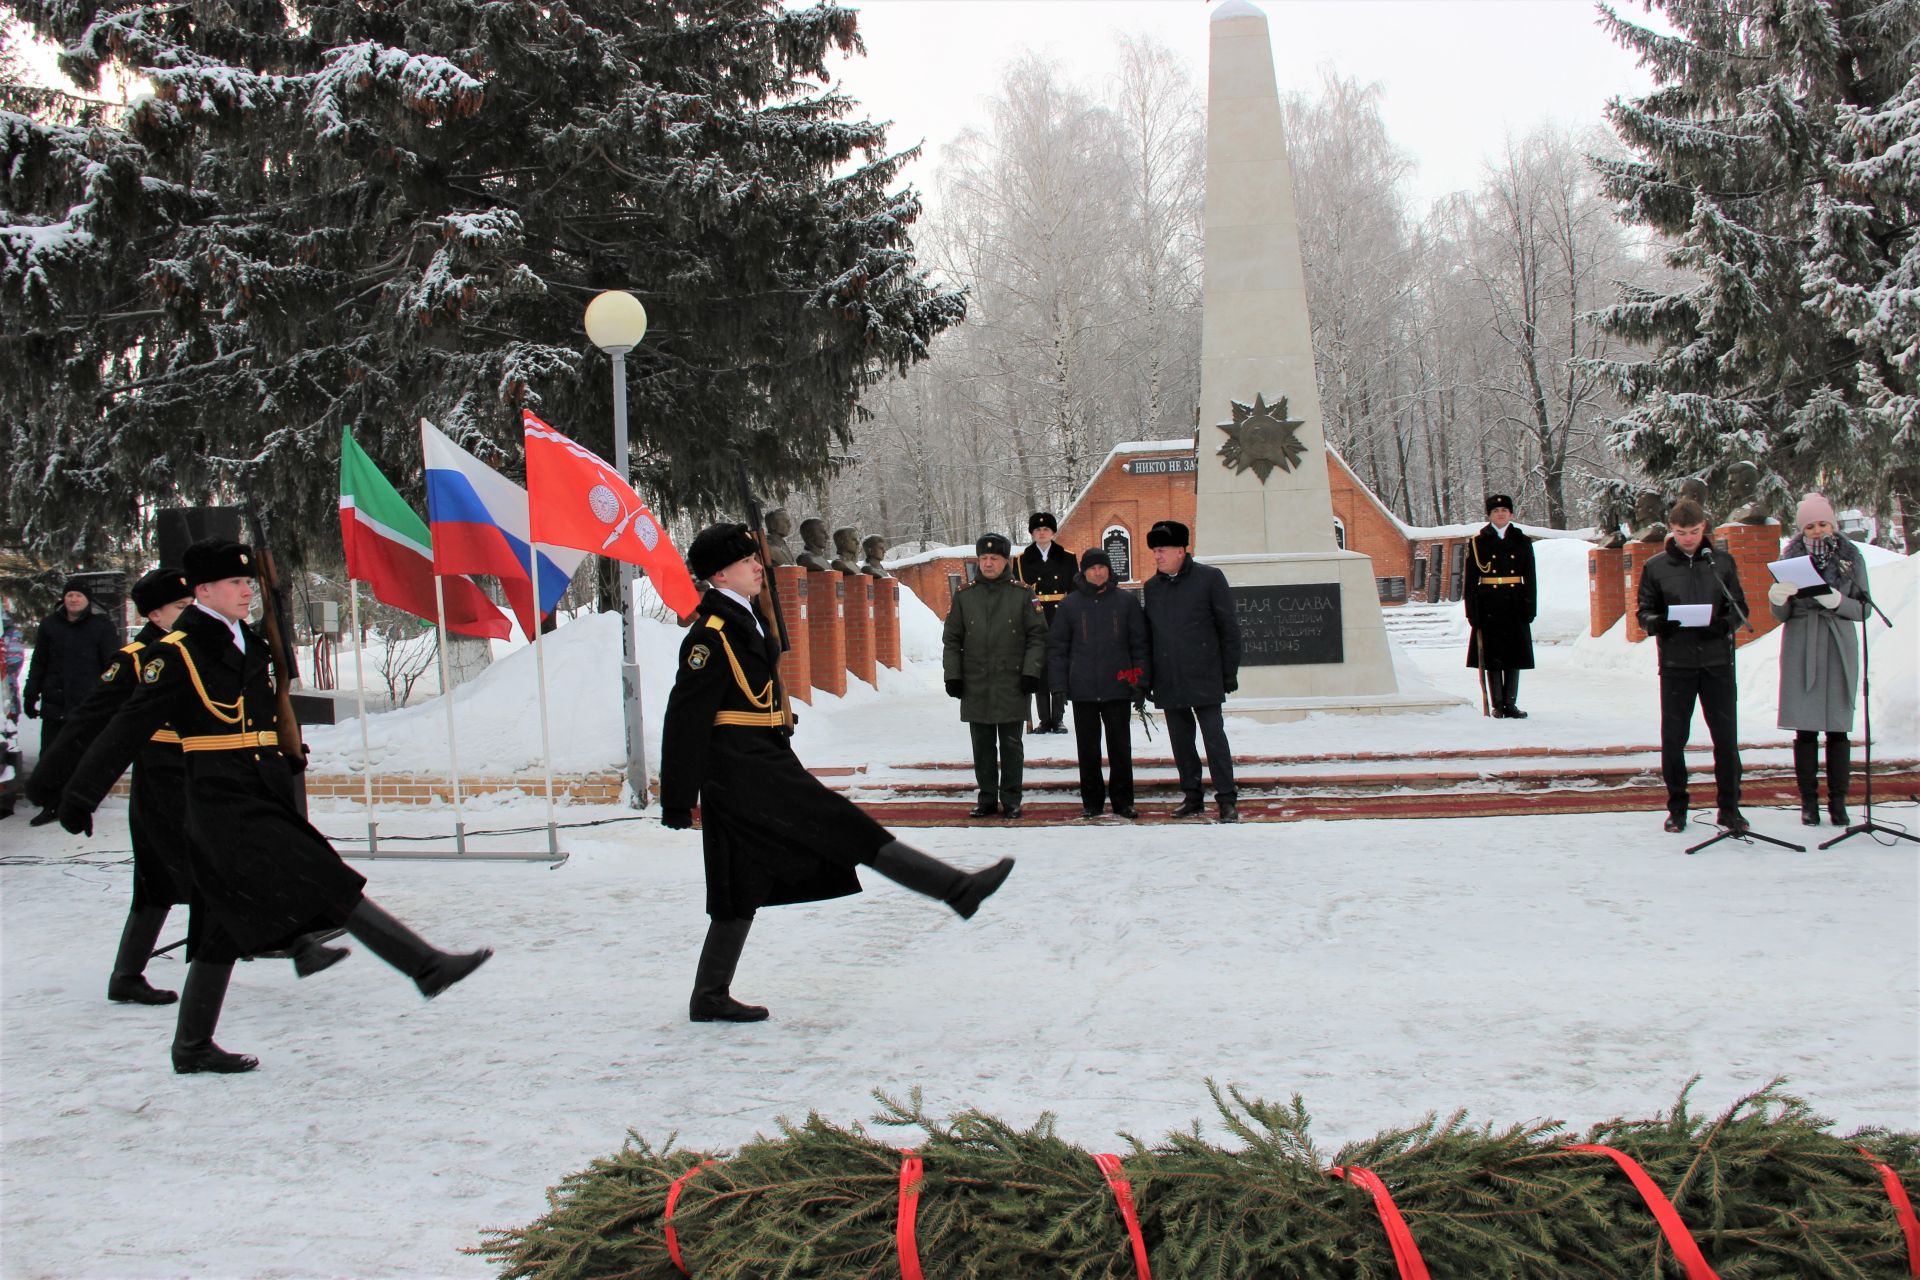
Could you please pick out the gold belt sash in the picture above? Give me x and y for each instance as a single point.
(230, 741)
(1051, 599)
(1502, 582)
(167, 736)
(751, 719)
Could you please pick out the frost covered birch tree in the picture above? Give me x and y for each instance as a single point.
(345, 213)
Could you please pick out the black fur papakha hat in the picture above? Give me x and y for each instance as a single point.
(1042, 520)
(160, 588)
(717, 546)
(993, 544)
(1169, 533)
(1499, 500)
(215, 559)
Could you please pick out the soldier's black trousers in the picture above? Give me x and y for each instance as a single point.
(1089, 718)
(1180, 727)
(999, 761)
(1713, 689)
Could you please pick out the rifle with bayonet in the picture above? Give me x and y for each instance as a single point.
(769, 598)
(277, 624)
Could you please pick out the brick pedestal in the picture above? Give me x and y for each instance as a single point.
(1753, 547)
(886, 622)
(1638, 553)
(796, 664)
(826, 623)
(857, 595)
(1606, 589)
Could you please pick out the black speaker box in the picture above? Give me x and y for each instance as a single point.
(177, 528)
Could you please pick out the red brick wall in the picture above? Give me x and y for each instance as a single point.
(1369, 529)
(1134, 502)
(1606, 588)
(1753, 547)
(796, 664)
(928, 580)
(827, 632)
(858, 625)
(1638, 553)
(886, 622)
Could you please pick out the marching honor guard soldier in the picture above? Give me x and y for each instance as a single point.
(1696, 659)
(1500, 594)
(1046, 569)
(263, 874)
(993, 649)
(157, 806)
(771, 833)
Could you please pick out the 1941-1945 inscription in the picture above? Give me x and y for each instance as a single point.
(1283, 626)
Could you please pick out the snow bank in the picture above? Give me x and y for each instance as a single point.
(1562, 599)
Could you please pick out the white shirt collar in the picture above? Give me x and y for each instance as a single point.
(1500, 530)
(1044, 551)
(744, 603)
(239, 636)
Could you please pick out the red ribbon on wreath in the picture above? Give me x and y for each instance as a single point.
(673, 1198)
(1902, 1210)
(1123, 1196)
(1406, 1254)
(903, 1237)
(1681, 1240)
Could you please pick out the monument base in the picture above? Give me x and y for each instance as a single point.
(1281, 628)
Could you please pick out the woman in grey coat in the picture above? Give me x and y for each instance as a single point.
(1820, 657)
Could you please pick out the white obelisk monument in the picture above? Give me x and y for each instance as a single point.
(1309, 612)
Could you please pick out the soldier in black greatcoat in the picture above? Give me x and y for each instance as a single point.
(265, 876)
(1500, 594)
(1047, 569)
(157, 805)
(771, 833)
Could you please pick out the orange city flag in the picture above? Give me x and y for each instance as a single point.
(578, 501)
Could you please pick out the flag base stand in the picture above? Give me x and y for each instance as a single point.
(459, 853)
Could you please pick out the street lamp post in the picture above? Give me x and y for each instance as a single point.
(615, 323)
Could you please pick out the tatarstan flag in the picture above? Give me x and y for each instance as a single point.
(388, 548)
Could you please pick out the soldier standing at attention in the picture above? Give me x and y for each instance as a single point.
(1498, 588)
(264, 874)
(994, 647)
(1046, 569)
(771, 833)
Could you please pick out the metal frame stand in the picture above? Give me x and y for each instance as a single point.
(1868, 825)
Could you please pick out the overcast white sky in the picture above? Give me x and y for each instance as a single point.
(1458, 75)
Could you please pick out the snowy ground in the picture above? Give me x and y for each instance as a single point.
(1577, 968)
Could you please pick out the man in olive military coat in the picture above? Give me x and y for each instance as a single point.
(994, 647)
(770, 831)
(264, 874)
(1047, 569)
(1499, 589)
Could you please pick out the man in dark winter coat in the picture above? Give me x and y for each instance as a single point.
(157, 806)
(770, 831)
(1696, 661)
(1047, 569)
(1196, 663)
(1099, 654)
(1500, 595)
(74, 645)
(265, 876)
(994, 647)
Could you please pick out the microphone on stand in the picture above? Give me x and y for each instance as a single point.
(1706, 554)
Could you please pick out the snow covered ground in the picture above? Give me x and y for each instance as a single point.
(1577, 968)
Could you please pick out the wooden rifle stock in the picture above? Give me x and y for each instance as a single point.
(286, 724)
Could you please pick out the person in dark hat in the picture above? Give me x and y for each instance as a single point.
(1047, 569)
(1196, 664)
(1499, 591)
(157, 804)
(771, 833)
(262, 872)
(993, 648)
(74, 645)
(1100, 655)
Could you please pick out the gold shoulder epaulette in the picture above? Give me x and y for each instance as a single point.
(173, 637)
(135, 647)
(716, 622)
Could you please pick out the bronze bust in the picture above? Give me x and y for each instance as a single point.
(875, 550)
(779, 525)
(816, 554)
(1743, 496)
(1647, 525)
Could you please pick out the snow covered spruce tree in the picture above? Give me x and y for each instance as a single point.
(1779, 157)
(339, 213)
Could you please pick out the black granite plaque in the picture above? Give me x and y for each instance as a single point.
(1119, 555)
(1288, 626)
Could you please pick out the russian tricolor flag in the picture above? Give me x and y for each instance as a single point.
(480, 525)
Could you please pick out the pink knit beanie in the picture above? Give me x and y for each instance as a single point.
(1814, 507)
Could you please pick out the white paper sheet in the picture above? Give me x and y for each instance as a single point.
(1690, 615)
(1798, 571)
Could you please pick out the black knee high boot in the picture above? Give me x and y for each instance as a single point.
(1806, 774)
(1496, 691)
(431, 969)
(964, 891)
(712, 981)
(1511, 686)
(1839, 776)
(193, 1046)
(129, 984)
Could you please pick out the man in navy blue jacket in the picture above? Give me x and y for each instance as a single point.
(1196, 663)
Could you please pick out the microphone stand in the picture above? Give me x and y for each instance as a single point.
(1866, 702)
(1728, 833)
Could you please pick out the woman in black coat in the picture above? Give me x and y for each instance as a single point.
(1100, 655)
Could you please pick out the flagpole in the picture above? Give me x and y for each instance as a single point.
(540, 677)
(446, 694)
(360, 698)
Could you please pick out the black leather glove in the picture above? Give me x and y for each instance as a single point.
(676, 819)
(31, 708)
(1668, 627)
(1231, 683)
(1139, 699)
(1029, 684)
(956, 687)
(76, 817)
(300, 762)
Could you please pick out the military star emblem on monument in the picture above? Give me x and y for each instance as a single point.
(1262, 437)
